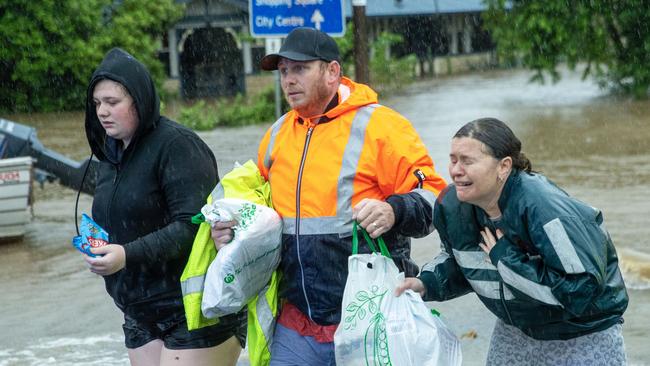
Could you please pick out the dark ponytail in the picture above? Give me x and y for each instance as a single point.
(521, 162)
(499, 139)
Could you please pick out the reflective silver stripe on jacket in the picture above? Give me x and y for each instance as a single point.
(274, 132)
(192, 285)
(528, 287)
(473, 259)
(439, 259)
(479, 260)
(218, 192)
(490, 289)
(312, 225)
(342, 222)
(265, 316)
(563, 247)
(429, 196)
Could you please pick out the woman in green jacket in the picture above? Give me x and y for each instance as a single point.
(539, 259)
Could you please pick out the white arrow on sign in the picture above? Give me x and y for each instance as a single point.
(317, 18)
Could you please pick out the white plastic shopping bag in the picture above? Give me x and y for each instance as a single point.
(243, 267)
(418, 336)
(378, 328)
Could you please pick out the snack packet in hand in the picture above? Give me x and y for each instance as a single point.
(92, 236)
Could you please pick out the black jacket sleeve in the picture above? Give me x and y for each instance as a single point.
(443, 278)
(413, 214)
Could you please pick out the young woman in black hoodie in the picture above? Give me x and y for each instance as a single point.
(154, 175)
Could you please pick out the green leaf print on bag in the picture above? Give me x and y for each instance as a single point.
(247, 213)
(356, 310)
(380, 352)
(379, 355)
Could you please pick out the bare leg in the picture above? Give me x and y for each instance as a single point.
(147, 355)
(225, 354)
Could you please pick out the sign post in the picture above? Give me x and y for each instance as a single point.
(272, 45)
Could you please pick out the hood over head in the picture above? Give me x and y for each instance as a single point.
(119, 66)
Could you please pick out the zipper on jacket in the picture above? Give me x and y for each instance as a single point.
(117, 172)
(298, 184)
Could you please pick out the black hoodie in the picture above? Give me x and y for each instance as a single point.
(146, 195)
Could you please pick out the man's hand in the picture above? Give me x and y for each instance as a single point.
(113, 259)
(376, 216)
(222, 233)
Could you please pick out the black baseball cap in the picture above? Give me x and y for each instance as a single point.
(303, 44)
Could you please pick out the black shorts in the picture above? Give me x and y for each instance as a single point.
(173, 332)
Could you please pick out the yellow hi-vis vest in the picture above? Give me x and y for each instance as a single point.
(244, 182)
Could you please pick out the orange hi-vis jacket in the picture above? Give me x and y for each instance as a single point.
(319, 171)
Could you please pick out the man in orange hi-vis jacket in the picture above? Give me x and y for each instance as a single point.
(337, 156)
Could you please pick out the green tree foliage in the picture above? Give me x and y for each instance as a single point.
(231, 112)
(390, 74)
(611, 37)
(49, 49)
(346, 45)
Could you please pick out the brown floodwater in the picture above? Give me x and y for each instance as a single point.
(595, 146)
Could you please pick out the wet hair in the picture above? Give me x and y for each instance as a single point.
(499, 139)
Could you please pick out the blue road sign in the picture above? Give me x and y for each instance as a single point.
(276, 18)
